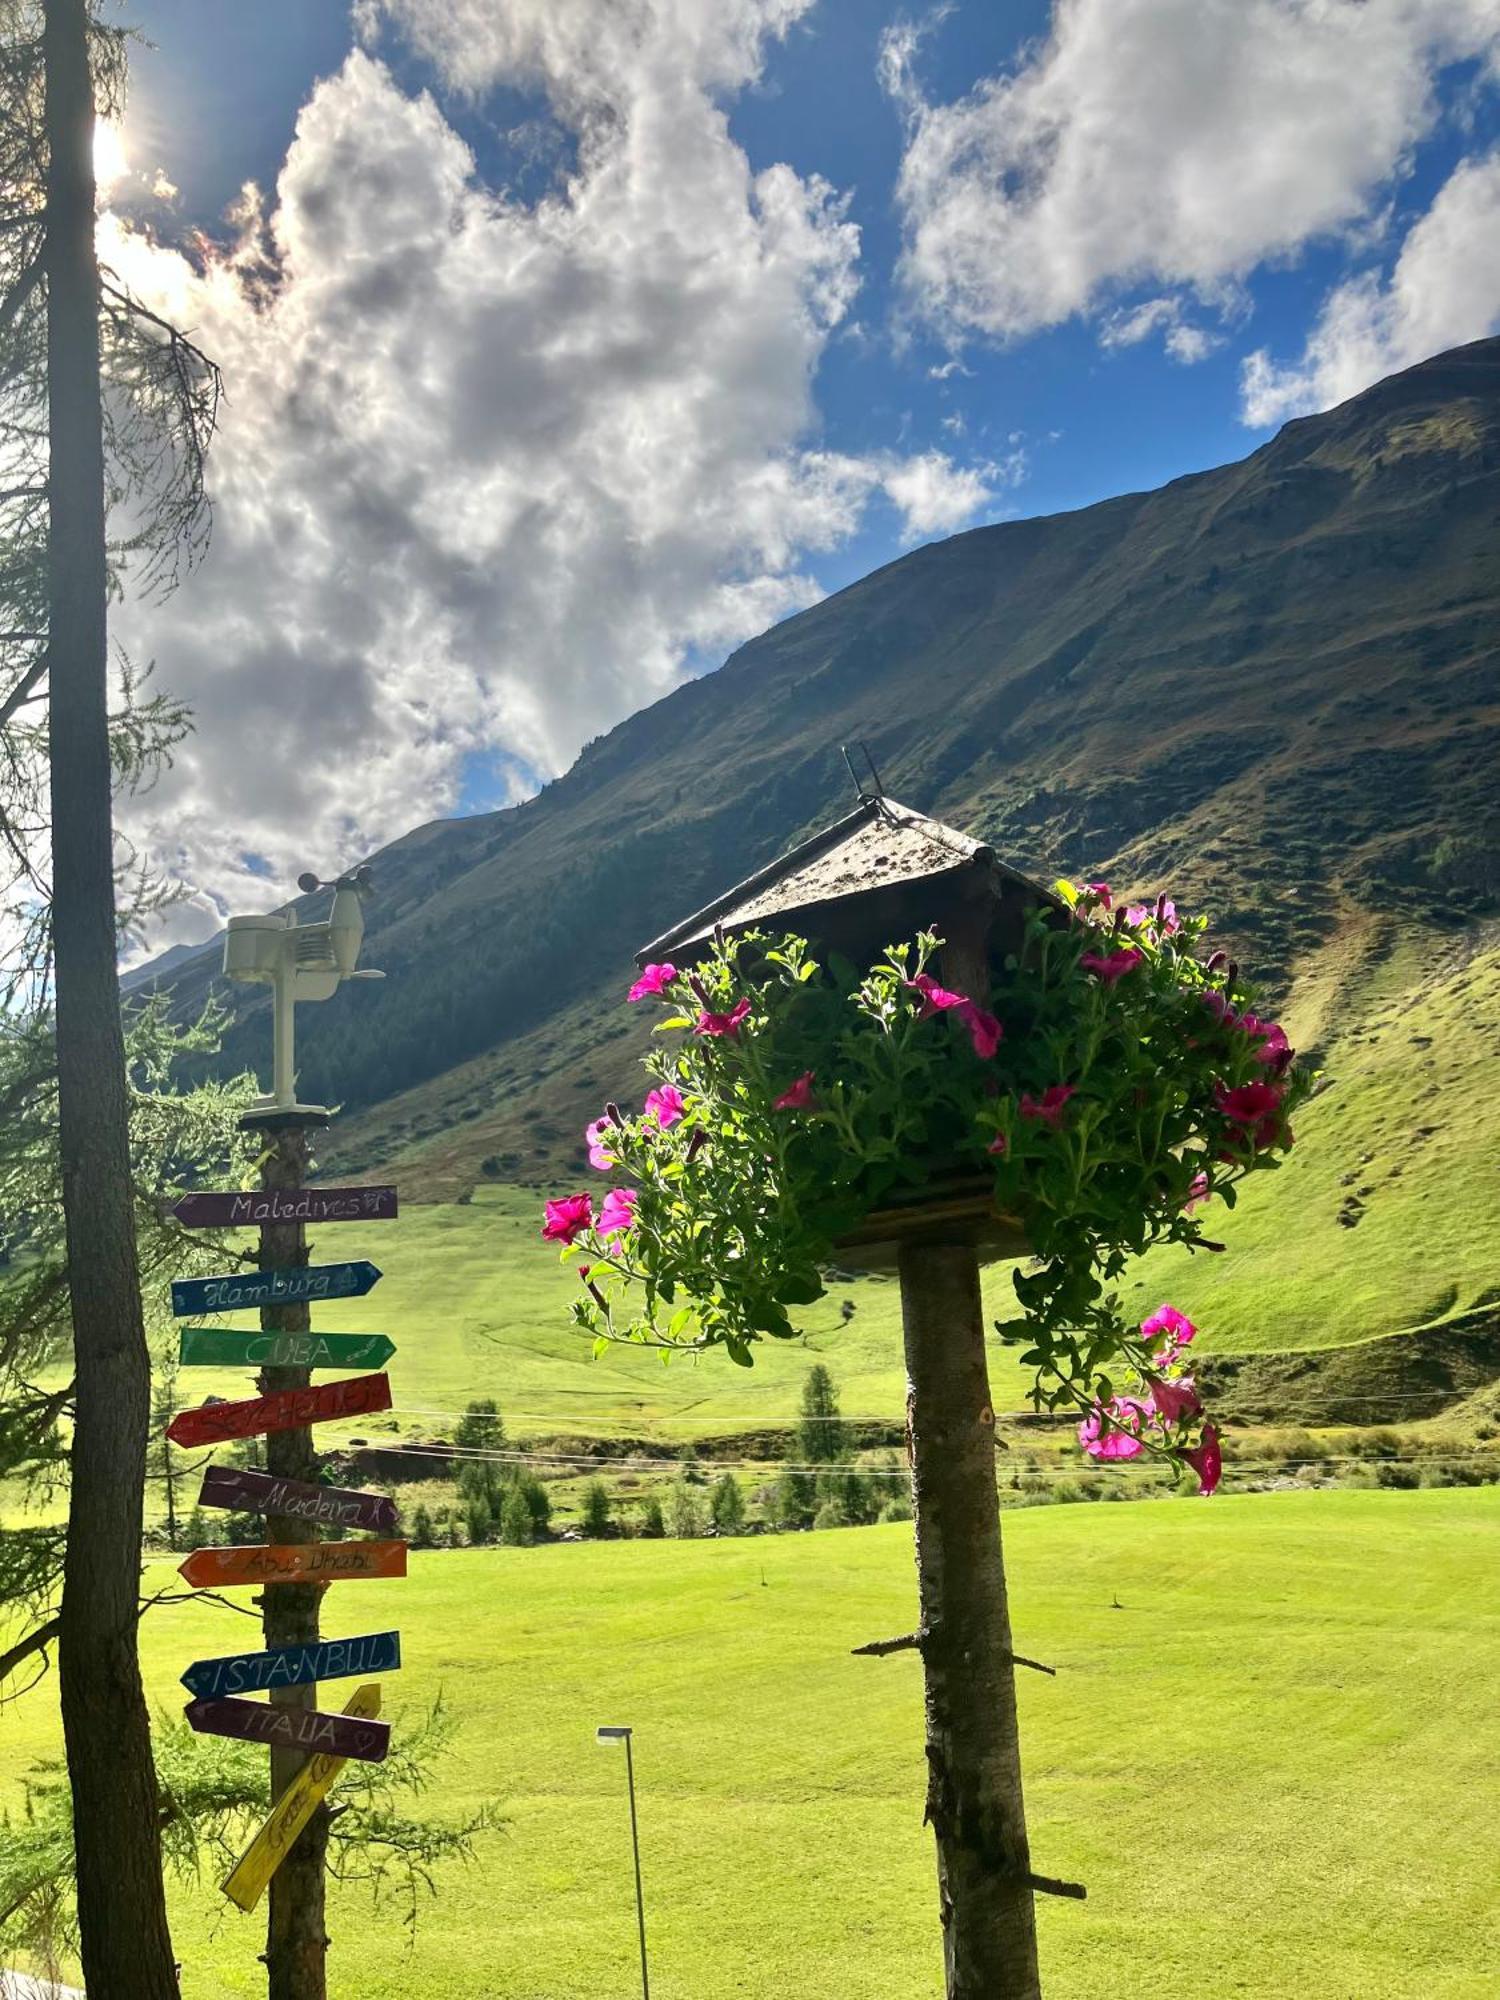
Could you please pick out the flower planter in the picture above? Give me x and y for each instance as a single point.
(951, 1208)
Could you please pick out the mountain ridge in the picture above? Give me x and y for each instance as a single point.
(1269, 686)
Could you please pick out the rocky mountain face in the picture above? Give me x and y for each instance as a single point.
(1272, 687)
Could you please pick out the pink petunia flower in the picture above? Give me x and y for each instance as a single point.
(1256, 1106)
(595, 1134)
(1217, 1003)
(710, 1023)
(654, 979)
(1175, 1399)
(1274, 1047)
(984, 1029)
(665, 1105)
(797, 1096)
(1198, 1194)
(1048, 1109)
(1111, 966)
(999, 1145)
(617, 1215)
(1207, 1460)
(935, 998)
(1112, 1430)
(567, 1218)
(1173, 1329)
(1100, 893)
(1166, 916)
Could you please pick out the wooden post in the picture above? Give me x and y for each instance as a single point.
(296, 1932)
(974, 1802)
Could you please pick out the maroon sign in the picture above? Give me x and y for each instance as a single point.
(306, 1204)
(259, 1493)
(287, 1410)
(291, 1728)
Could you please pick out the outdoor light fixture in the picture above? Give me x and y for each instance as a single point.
(298, 962)
(618, 1733)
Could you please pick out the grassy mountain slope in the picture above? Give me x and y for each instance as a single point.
(1271, 687)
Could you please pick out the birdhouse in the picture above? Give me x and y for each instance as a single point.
(874, 878)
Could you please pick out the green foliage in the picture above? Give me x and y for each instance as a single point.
(1124, 1087)
(480, 1428)
(479, 1521)
(684, 1511)
(214, 1794)
(596, 1508)
(179, 1138)
(517, 1526)
(821, 1438)
(423, 1530)
(726, 1505)
(653, 1526)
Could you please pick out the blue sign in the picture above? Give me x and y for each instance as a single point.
(191, 1296)
(289, 1666)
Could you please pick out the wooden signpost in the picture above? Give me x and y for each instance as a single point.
(306, 1204)
(311, 1282)
(304, 1729)
(246, 1882)
(234, 1347)
(298, 1562)
(294, 1666)
(295, 1565)
(284, 1410)
(259, 1493)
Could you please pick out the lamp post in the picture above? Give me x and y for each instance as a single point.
(618, 1734)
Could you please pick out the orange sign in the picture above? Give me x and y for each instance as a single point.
(299, 1562)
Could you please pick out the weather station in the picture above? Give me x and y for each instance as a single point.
(298, 962)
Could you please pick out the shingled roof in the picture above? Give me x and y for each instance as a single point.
(880, 845)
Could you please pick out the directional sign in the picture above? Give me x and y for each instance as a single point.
(306, 1204)
(259, 1493)
(291, 1728)
(286, 1410)
(191, 1296)
(290, 1666)
(291, 1812)
(293, 1562)
(231, 1347)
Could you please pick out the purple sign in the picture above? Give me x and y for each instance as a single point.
(334, 1506)
(292, 1728)
(271, 1205)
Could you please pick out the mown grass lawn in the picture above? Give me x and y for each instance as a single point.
(1270, 1751)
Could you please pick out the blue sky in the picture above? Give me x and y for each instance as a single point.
(1098, 245)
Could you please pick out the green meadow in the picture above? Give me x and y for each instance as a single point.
(1377, 1223)
(1262, 1753)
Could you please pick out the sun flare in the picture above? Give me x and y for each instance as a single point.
(111, 164)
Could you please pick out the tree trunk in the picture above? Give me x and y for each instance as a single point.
(296, 1934)
(127, 1951)
(974, 1802)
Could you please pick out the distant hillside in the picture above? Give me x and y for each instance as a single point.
(1271, 687)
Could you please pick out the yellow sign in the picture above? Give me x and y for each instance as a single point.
(292, 1811)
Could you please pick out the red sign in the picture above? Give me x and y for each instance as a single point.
(272, 1205)
(293, 1562)
(291, 1728)
(287, 1410)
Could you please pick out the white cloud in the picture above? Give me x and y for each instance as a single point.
(936, 496)
(493, 471)
(1175, 143)
(1444, 290)
(1184, 341)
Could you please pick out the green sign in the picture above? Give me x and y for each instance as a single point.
(226, 1347)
